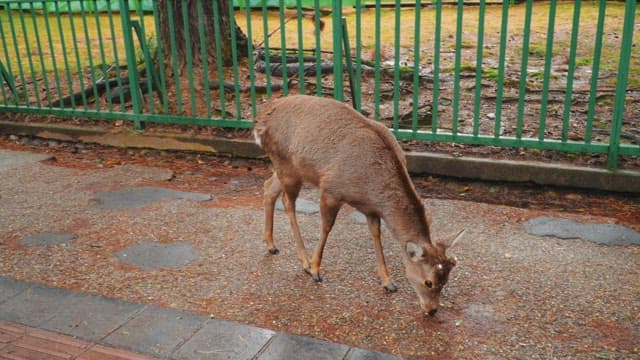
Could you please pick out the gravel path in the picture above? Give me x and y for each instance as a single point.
(512, 295)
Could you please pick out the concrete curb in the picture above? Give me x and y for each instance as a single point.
(418, 163)
(159, 332)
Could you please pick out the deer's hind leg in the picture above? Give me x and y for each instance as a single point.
(329, 208)
(291, 188)
(272, 190)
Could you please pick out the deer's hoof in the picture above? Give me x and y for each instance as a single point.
(391, 288)
(274, 251)
(316, 277)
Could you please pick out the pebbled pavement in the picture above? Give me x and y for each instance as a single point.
(511, 294)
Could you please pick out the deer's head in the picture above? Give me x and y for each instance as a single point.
(427, 269)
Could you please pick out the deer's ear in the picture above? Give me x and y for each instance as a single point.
(414, 251)
(451, 240)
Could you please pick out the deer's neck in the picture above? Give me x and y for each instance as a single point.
(406, 219)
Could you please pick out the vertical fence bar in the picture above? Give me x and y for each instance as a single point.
(595, 71)
(479, 68)
(501, 68)
(376, 91)
(54, 61)
(436, 67)
(45, 77)
(456, 76)
(103, 59)
(5, 72)
(234, 60)
(85, 28)
(204, 57)
(116, 58)
(174, 57)
(358, 75)
(566, 118)
(621, 84)
(64, 54)
(18, 59)
(301, 69)
(522, 91)
(396, 66)
(338, 79)
(267, 52)
(76, 52)
(316, 6)
(136, 98)
(252, 70)
(416, 66)
(187, 39)
(160, 53)
(34, 78)
(218, 37)
(355, 92)
(544, 101)
(152, 77)
(283, 49)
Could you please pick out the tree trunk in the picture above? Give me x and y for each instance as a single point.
(178, 34)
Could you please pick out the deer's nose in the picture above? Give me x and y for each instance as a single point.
(432, 312)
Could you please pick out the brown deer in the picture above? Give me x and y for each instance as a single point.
(352, 160)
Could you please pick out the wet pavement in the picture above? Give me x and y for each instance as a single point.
(121, 258)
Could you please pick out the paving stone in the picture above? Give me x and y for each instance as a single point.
(151, 255)
(287, 346)
(14, 159)
(361, 354)
(156, 331)
(224, 340)
(10, 288)
(91, 317)
(34, 306)
(135, 197)
(302, 206)
(46, 239)
(606, 234)
(358, 217)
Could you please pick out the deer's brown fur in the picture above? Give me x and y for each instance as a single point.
(352, 160)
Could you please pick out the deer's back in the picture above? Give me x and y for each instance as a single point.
(327, 143)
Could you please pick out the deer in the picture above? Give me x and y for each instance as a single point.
(356, 161)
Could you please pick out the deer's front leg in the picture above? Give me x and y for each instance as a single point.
(381, 266)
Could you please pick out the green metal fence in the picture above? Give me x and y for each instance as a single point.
(552, 75)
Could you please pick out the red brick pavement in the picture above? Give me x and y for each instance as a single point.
(19, 342)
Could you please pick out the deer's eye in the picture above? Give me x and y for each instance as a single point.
(428, 284)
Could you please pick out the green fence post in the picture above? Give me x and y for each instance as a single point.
(621, 85)
(130, 51)
(338, 91)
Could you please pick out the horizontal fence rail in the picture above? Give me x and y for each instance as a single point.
(553, 75)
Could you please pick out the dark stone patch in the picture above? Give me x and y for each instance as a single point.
(302, 206)
(150, 255)
(134, 197)
(46, 239)
(605, 234)
(13, 159)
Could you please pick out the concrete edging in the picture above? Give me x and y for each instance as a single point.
(418, 163)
